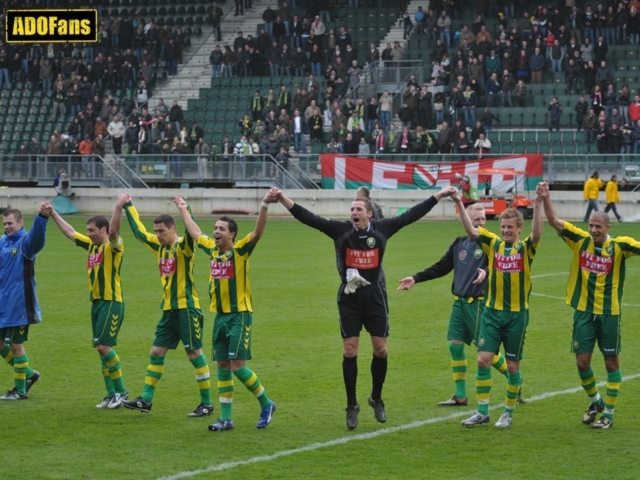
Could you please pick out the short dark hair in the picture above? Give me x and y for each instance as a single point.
(17, 214)
(365, 191)
(233, 226)
(99, 221)
(167, 219)
(368, 205)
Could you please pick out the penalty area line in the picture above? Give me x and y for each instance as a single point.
(365, 436)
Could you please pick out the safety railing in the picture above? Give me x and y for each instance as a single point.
(89, 170)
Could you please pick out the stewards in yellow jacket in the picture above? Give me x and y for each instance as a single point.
(613, 196)
(591, 192)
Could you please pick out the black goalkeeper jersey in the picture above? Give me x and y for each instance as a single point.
(362, 249)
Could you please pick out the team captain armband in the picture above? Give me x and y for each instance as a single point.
(117, 243)
(364, 259)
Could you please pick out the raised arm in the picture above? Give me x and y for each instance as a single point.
(270, 197)
(536, 225)
(325, 225)
(34, 240)
(139, 231)
(116, 218)
(464, 218)
(192, 228)
(64, 227)
(549, 209)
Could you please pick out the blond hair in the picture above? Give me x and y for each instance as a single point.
(475, 207)
(513, 213)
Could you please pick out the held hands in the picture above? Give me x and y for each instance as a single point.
(179, 201)
(46, 210)
(271, 196)
(274, 195)
(354, 281)
(406, 284)
(482, 274)
(123, 199)
(446, 192)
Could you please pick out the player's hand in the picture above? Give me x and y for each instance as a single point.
(271, 196)
(354, 281)
(179, 201)
(406, 284)
(121, 201)
(127, 199)
(46, 210)
(482, 274)
(446, 192)
(454, 196)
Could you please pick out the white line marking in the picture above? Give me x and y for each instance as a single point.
(563, 298)
(365, 436)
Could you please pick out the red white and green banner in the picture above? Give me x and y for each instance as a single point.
(340, 172)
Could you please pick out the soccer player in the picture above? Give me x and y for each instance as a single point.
(230, 293)
(106, 249)
(362, 299)
(594, 290)
(20, 308)
(181, 319)
(468, 263)
(506, 314)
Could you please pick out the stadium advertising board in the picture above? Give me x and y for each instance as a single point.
(51, 26)
(341, 172)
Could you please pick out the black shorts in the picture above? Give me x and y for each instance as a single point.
(366, 306)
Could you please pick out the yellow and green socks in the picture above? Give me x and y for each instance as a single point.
(8, 357)
(154, 374)
(225, 393)
(252, 383)
(588, 382)
(112, 363)
(459, 367)
(202, 377)
(20, 366)
(483, 387)
(614, 382)
(107, 379)
(500, 364)
(513, 387)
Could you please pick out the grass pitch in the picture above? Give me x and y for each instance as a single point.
(59, 434)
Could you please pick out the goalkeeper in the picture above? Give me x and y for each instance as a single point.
(362, 298)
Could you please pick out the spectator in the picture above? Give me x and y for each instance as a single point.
(117, 130)
(86, 150)
(482, 146)
(176, 115)
(203, 151)
(581, 110)
(463, 146)
(624, 102)
(602, 138)
(282, 158)
(215, 16)
(555, 111)
(363, 148)
(469, 103)
(444, 24)
(507, 86)
(521, 93)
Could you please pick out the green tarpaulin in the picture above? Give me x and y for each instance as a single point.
(64, 206)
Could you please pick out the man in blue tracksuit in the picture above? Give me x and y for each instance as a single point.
(18, 302)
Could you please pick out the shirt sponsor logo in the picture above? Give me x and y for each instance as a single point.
(364, 259)
(222, 270)
(462, 255)
(51, 26)
(508, 263)
(167, 266)
(594, 264)
(95, 260)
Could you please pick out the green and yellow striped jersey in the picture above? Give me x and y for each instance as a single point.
(229, 286)
(509, 283)
(596, 278)
(103, 268)
(175, 262)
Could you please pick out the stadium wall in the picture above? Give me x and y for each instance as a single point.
(330, 203)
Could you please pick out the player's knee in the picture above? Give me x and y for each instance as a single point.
(103, 349)
(583, 364)
(380, 352)
(611, 363)
(350, 350)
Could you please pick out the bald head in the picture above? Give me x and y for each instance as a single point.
(601, 217)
